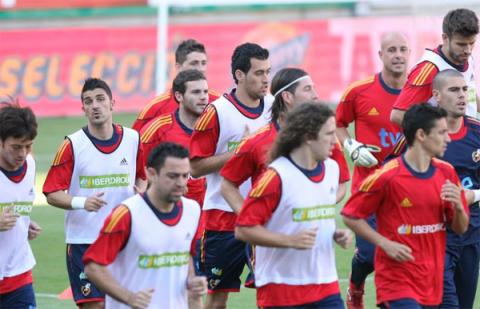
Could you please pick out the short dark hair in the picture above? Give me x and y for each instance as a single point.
(242, 55)
(93, 83)
(187, 47)
(186, 76)
(16, 121)
(281, 79)
(301, 124)
(442, 76)
(420, 116)
(158, 156)
(460, 21)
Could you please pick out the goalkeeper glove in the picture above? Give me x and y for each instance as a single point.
(361, 154)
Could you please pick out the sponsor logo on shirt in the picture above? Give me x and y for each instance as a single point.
(104, 181)
(407, 229)
(231, 146)
(373, 112)
(124, 162)
(313, 213)
(18, 208)
(163, 260)
(406, 203)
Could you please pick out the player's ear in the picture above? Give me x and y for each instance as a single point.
(239, 75)
(444, 38)
(436, 94)
(178, 96)
(151, 173)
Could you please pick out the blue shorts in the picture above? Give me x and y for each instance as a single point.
(83, 290)
(460, 277)
(21, 298)
(365, 250)
(404, 303)
(222, 259)
(331, 302)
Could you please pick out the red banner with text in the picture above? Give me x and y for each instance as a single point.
(45, 68)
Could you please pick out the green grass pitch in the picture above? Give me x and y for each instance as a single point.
(50, 272)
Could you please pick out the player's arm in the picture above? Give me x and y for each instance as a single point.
(203, 145)
(341, 191)
(58, 181)
(112, 239)
(103, 279)
(453, 194)
(231, 194)
(395, 250)
(417, 89)
(258, 209)
(361, 205)
(196, 286)
(140, 175)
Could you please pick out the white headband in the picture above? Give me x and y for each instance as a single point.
(289, 84)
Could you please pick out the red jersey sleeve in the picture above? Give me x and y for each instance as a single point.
(368, 198)
(345, 113)
(262, 200)
(155, 107)
(60, 174)
(205, 134)
(241, 165)
(337, 155)
(152, 134)
(140, 174)
(112, 238)
(418, 87)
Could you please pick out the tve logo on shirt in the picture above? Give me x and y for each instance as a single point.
(104, 181)
(388, 139)
(163, 260)
(313, 213)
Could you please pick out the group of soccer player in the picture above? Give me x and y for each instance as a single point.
(159, 215)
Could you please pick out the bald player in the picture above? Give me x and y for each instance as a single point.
(368, 103)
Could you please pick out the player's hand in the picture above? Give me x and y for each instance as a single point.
(140, 299)
(95, 202)
(304, 239)
(33, 230)
(361, 154)
(343, 237)
(452, 193)
(397, 251)
(197, 285)
(8, 218)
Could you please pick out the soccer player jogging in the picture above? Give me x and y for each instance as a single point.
(460, 29)
(189, 55)
(142, 257)
(290, 88)
(18, 129)
(190, 89)
(413, 197)
(463, 251)
(368, 103)
(217, 133)
(289, 215)
(94, 169)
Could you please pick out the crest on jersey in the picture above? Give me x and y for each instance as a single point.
(86, 289)
(476, 156)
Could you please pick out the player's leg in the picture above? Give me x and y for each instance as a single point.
(21, 298)
(85, 293)
(466, 275)
(362, 266)
(450, 298)
(222, 261)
